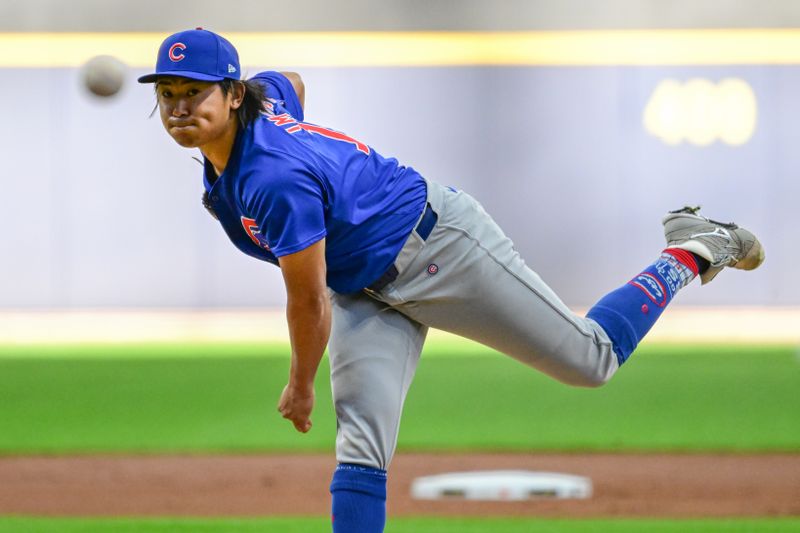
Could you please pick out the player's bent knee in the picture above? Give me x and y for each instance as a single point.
(597, 379)
(587, 380)
(589, 377)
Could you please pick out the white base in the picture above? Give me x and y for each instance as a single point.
(501, 485)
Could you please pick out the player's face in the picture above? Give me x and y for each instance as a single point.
(194, 113)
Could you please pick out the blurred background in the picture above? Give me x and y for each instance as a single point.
(129, 324)
(575, 136)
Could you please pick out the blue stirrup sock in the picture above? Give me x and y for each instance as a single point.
(628, 313)
(359, 499)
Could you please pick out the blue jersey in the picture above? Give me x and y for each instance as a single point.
(289, 183)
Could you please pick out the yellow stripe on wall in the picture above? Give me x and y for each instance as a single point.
(406, 49)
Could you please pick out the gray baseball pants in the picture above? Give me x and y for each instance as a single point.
(468, 279)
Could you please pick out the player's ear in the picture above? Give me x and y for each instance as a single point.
(237, 95)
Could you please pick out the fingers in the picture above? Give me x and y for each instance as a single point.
(296, 409)
(303, 426)
(302, 423)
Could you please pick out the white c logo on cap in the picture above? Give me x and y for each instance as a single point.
(176, 57)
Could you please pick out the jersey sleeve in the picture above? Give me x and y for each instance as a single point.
(278, 87)
(288, 206)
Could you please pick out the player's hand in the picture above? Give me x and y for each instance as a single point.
(296, 405)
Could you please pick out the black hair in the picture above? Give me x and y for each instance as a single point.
(253, 102)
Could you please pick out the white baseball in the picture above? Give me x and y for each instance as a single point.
(104, 75)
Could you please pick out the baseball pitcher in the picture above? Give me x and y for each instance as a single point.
(373, 254)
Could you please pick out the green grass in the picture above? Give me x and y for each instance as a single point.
(153, 404)
(115, 351)
(399, 525)
(664, 398)
(162, 398)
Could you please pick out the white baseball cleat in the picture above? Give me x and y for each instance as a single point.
(718, 243)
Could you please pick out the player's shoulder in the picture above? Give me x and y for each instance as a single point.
(280, 92)
(273, 77)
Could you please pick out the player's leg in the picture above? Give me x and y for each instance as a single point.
(374, 352)
(482, 289)
(466, 278)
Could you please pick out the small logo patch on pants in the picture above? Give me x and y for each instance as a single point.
(433, 268)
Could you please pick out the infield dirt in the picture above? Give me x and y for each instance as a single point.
(639, 485)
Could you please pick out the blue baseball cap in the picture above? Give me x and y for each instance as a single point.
(197, 54)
